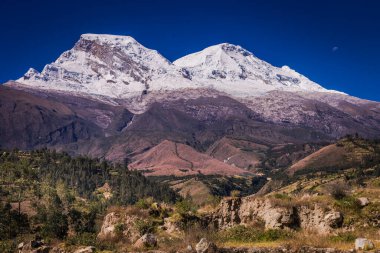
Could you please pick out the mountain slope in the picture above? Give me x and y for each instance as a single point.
(38, 119)
(170, 158)
(111, 97)
(345, 154)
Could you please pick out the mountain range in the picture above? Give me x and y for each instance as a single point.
(218, 111)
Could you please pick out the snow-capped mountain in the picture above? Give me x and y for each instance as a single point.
(120, 67)
(237, 71)
(111, 97)
(108, 65)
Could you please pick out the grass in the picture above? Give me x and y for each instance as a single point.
(250, 237)
(252, 234)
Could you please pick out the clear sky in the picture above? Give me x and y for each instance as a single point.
(333, 42)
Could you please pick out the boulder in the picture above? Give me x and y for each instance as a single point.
(170, 226)
(20, 245)
(364, 244)
(108, 227)
(146, 241)
(363, 201)
(89, 249)
(204, 246)
(112, 220)
(35, 246)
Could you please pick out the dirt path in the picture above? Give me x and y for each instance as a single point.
(182, 158)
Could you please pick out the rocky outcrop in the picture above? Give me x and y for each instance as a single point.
(89, 249)
(146, 241)
(34, 246)
(119, 224)
(363, 201)
(235, 211)
(364, 244)
(205, 246)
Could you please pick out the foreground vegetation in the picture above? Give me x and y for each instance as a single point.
(64, 200)
(54, 195)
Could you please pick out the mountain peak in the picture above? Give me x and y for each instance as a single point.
(108, 38)
(120, 67)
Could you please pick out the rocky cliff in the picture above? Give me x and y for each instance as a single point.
(244, 211)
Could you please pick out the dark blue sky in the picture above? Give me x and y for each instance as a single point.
(334, 42)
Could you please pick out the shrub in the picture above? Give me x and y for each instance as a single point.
(119, 229)
(348, 204)
(145, 226)
(281, 196)
(235, 193)
(185, 206)
(7, 247)
(82, 239)
(144, 203)
(337, 190)
(56, 225)
(343, 237)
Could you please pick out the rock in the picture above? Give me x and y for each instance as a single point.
(114, 219)
(34, 246)
(189, 248)
(363, 201)
(108, 226)
(204, 246)
(364, 244)
(147, 240)
(235, 211)
(333, 219)
(170, 226)
(89, 249)
(20, 245)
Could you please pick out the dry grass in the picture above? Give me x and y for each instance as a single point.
(298, 240)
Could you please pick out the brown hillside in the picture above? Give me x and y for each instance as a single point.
(170, 158)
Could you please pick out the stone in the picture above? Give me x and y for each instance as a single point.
(89, 249)
(147, 241)
(364, 244)
(20, 245)
(108, 226)
(170, 226)
(363, 201)
(112, 220)
(204, 246)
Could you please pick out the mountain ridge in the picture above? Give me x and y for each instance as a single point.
(120, 67)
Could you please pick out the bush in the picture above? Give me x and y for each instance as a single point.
(7, 247)
(119, 229)
(282, 196)
(235, 193)
(348, 204)
(185, 206)
(82, 239)
(337, 190)
(145, 226)
(144, 203)
(343, 237)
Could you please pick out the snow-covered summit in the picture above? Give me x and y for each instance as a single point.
(107, 65)
(108, 38)
(120, 67)
(235, 70)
